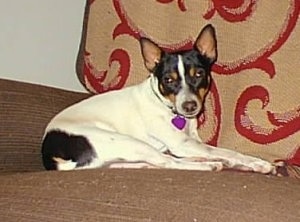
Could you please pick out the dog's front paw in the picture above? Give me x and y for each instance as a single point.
(276, 169)
(255, 165)
(262, 166)
(281, 169)
(217, 166)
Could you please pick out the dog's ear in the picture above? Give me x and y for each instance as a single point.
(206, 43)
(151, 53)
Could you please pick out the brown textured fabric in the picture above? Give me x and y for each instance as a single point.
(148, 195)
(25, 109)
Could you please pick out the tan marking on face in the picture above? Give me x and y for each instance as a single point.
(172, 98)
(174, 75)
(202, 93)
(192, 72)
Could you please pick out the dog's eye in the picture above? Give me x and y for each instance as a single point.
(169, 80)
(200, 73)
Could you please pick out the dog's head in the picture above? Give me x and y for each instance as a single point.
(183, 77)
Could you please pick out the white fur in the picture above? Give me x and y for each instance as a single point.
(133, 126)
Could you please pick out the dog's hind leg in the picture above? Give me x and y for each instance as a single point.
(92, 147)
(117, 150)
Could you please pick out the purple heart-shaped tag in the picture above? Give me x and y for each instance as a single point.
(179, 122)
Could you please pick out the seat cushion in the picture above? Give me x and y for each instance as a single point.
(148, 195)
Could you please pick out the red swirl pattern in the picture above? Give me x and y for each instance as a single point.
(231, 11)
(285, 124)
(96, 78)
(181, 4)
(261, 58)
(128, 27)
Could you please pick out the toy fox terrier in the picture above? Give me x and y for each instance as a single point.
(153, 124)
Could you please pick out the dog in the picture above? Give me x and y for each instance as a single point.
(152, 124)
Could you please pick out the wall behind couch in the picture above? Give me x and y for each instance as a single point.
(39, 41)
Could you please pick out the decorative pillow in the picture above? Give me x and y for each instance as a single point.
(253, 106)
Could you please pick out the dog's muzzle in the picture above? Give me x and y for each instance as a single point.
(189, 108)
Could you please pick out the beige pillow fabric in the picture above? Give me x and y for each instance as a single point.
(254, 104)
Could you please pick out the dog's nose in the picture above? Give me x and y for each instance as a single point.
(189, 106)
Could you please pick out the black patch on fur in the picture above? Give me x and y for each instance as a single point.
(68, 147)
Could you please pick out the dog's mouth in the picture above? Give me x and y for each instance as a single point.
(187, 115)
(191, 115)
